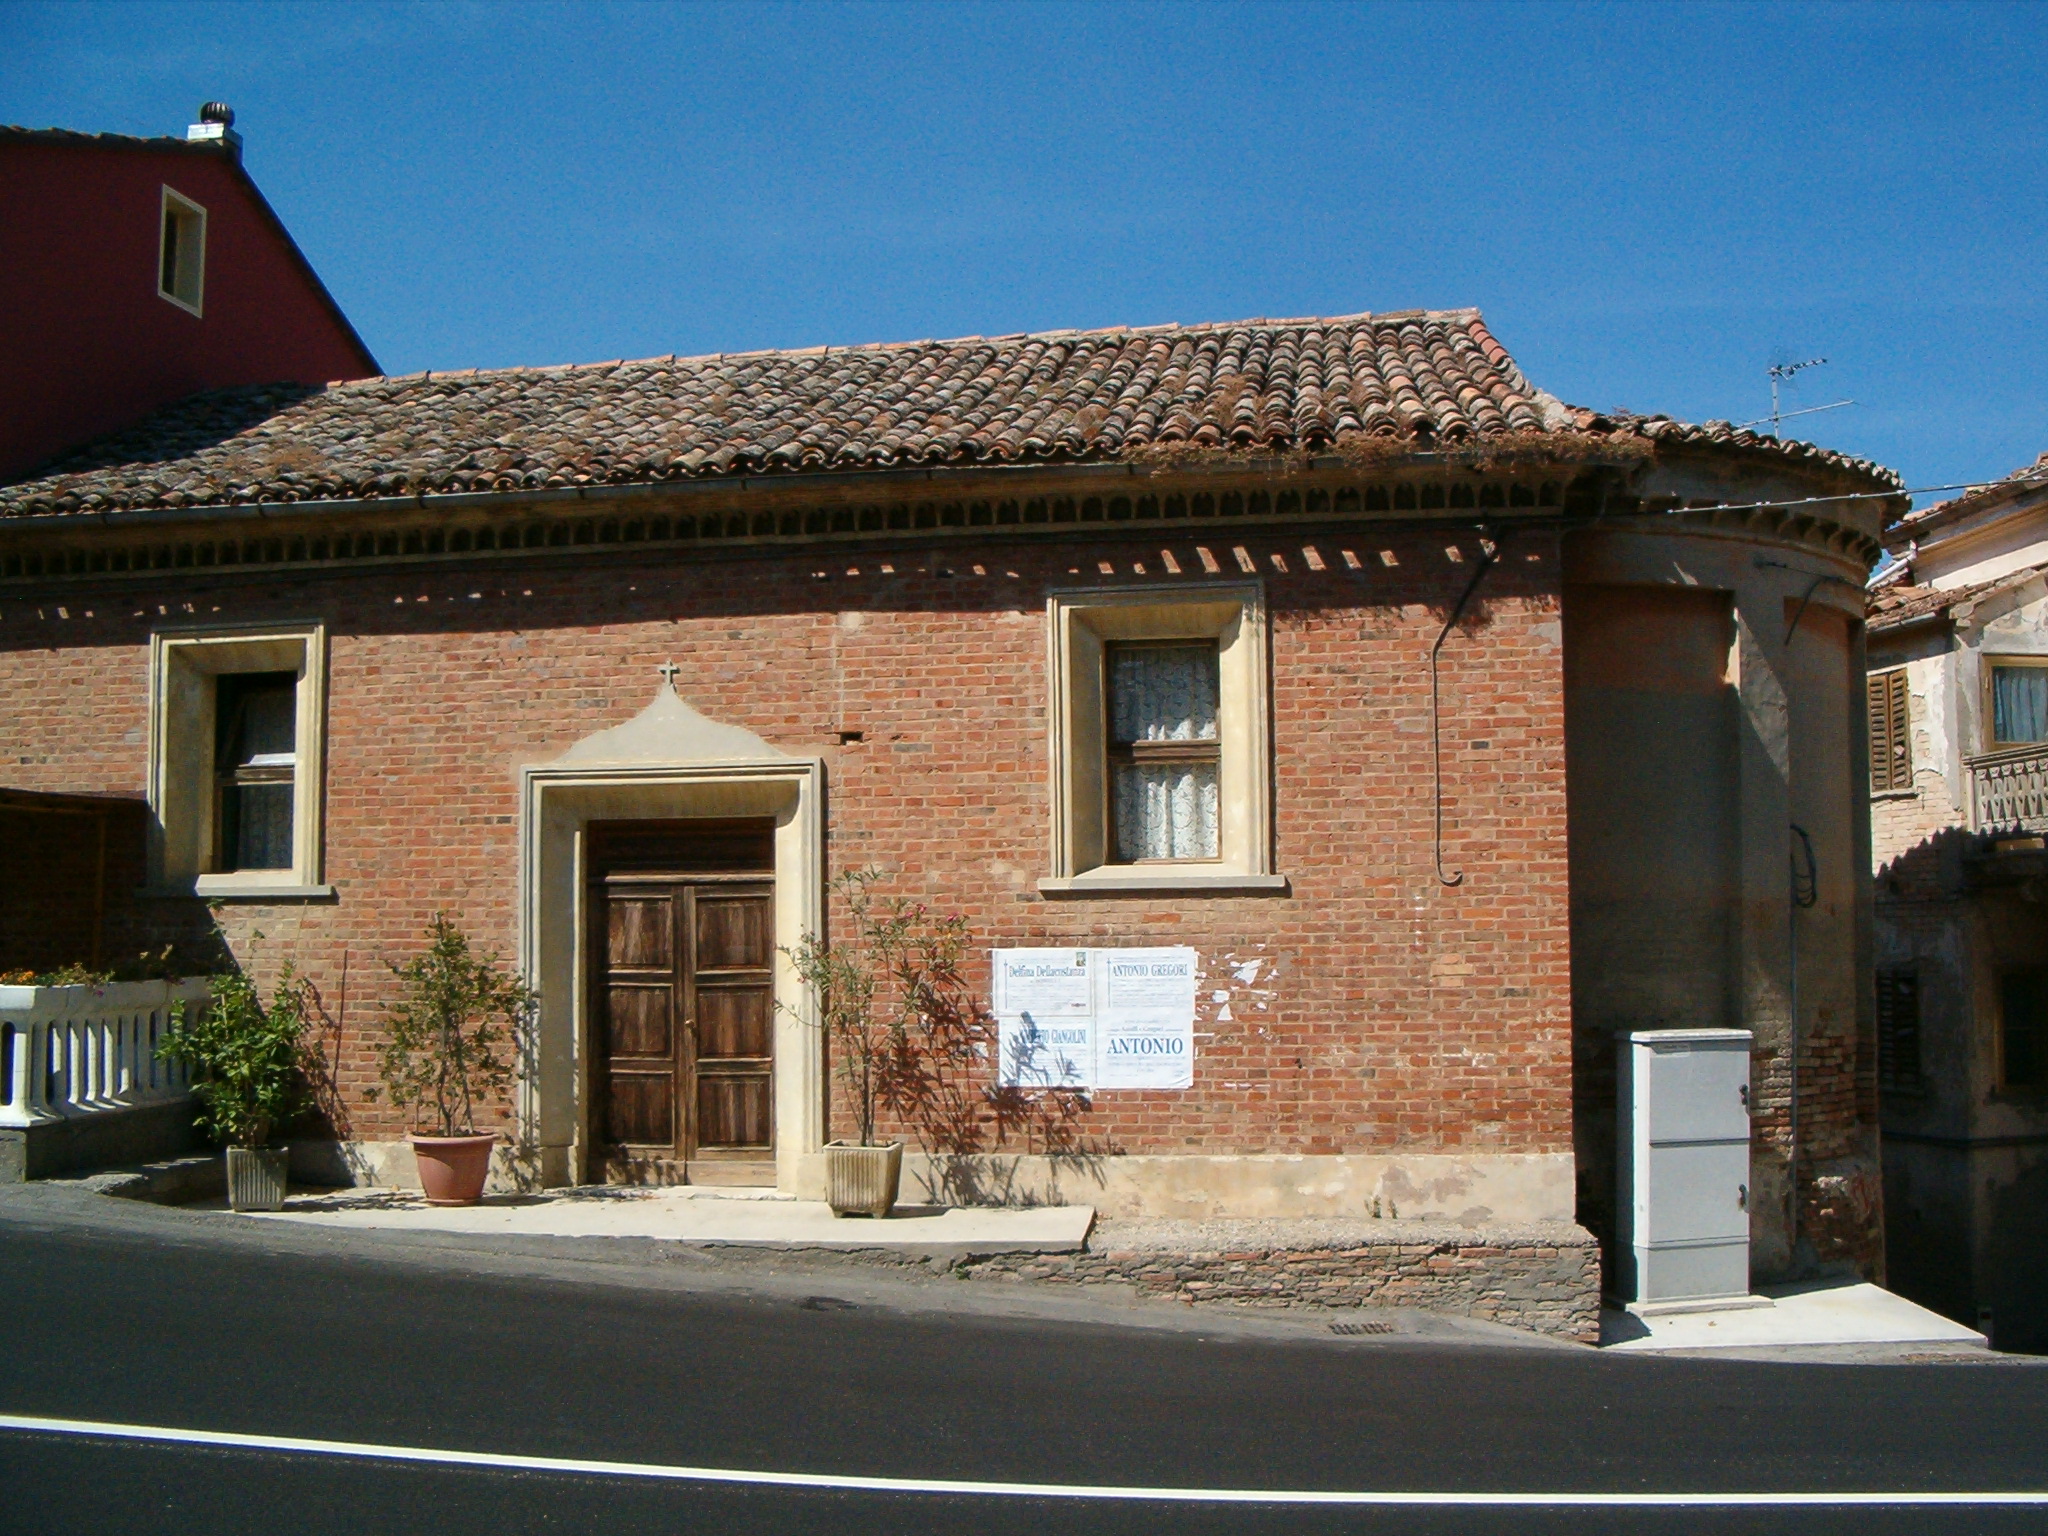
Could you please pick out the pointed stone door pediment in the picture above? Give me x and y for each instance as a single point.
(668, 730)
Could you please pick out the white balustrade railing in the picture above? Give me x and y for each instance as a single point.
(2009, 789)
(70, 1051)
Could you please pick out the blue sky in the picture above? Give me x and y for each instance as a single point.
(1651, 204)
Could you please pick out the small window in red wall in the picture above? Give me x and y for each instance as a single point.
(181, 254)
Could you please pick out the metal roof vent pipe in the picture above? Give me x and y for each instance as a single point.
(216, 125)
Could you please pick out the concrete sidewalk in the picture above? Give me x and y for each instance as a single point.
(1796, 1317)
(695, 1214)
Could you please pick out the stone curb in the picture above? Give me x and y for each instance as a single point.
(174, 1181)
(1544, 1279)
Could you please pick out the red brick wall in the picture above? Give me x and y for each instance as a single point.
(1389, 1010)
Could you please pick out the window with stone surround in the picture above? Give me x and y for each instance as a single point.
(1161, 752)
(236, 734)
(2019, 700)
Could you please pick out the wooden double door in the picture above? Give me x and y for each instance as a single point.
(683, 951)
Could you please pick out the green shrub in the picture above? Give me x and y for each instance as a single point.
(247, 1059)
(451, 1029)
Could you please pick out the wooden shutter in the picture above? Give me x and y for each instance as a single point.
(1891, 737)
(1898, 1029)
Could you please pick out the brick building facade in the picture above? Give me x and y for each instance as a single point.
(1958, 696)
(872, 570)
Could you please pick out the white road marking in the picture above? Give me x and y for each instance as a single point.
(840, 1482)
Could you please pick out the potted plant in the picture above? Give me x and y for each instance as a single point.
(247, 1059)
(889, 1000)
(446, 1053)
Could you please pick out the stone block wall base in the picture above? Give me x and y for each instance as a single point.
(1465, 1189)
(111, 1138)
(391, 1165)
(1543, 1277)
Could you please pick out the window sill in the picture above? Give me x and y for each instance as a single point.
(235, 888)
(1121, 880)
(1895, 794)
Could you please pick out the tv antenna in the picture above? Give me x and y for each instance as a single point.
(1780, 372)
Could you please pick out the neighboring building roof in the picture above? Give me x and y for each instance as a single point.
(1918, 524)
(1262, 386)
(1895, 604)
(165, 143)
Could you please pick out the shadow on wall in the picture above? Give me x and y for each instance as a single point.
(1931, 869)
(1928, 1255)
(325, 1116)
(2013, 1272)
(1965, 1255)
(1303, 574)
(1651, 744)
(1010, 1179)
(1966, 1185)
(70, 870)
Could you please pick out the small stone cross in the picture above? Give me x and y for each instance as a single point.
(668, 671)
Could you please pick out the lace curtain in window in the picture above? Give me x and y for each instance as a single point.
(2019, 703)
(1167, 811)
(256, 716)
(1165, 793)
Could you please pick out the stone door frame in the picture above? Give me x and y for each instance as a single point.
(557, 804)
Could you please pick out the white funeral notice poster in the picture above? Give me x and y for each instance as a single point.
(1046, 983)
(1056, 1053)
(1145, 1021)
(1096, 1018)
(1045, 1013)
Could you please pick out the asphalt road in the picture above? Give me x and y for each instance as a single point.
(139, 1316)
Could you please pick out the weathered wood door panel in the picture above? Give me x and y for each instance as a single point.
(733, 1010)
(638, 1019)
(683, 1000)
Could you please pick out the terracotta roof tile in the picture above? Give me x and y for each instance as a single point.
(1063, 396)
(15, 133)
(1925, 519)
(1897, 604)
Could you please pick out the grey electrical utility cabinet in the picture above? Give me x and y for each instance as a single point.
(1684, 1164)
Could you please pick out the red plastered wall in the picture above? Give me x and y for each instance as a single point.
(89, 346)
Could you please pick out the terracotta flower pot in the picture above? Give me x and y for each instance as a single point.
(453, 1168)
(256, 1178)
(862, 1180)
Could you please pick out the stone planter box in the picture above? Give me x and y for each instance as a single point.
(861, 1181)
(256, 1177)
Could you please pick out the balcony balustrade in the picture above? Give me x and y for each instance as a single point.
(68, 1052)
(2009, 789)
